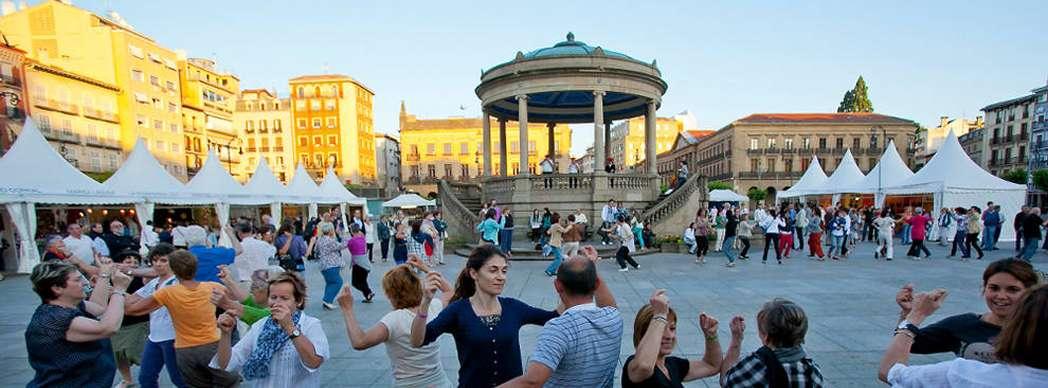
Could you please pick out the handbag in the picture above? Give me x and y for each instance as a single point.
(287, 262)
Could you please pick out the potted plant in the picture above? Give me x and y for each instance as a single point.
(671, 244)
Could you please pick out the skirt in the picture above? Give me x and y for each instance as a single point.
(129, 341)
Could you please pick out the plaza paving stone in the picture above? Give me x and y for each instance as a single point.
(850, 305)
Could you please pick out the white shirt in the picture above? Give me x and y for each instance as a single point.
(580, 218)
(160, 326)
(178, 236)
(608, 213)
(149, 237)
(547, 166)
(370, 234)
(255, 256)
(573, 168)
(413, 367)
(83, 248)
(285, 368)
(967, 373)
(100, 247)
(689, 233)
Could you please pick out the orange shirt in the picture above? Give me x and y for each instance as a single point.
(192, 313)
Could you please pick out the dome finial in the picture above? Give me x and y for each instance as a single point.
(571, 37)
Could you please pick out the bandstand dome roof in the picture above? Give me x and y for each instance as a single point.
(560, 80)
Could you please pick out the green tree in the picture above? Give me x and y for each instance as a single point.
(1040, 180)
(1017, 175)
(101, 177)
(856, 99)
(718, 185)
(756, 194)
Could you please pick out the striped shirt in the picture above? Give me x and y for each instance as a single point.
(581, 346)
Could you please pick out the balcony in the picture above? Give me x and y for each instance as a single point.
(772, 150)
(54, 105)
(1008, 138)
(69, 137)
(754, 151)
(278, 149)
(101, 115)
(995, 140)
(994, 162)
(789, 150)
(11, 80)
(412, 157)
(770, 175)
(822, 150)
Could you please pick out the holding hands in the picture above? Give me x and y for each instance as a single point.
(590, 252)
(738, 328)
(227, 322)
(120, 281)
(915, 307)
(708, 325)
(904, 298)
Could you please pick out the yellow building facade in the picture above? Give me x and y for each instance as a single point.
(110, 51)
(450, 148)
(263, 122)
(333, 126)
(77, 115)
(208, 101)
(627, 139)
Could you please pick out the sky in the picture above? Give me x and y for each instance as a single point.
(722, 60)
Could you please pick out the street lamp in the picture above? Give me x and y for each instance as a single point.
(880, 169)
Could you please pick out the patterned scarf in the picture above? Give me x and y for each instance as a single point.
(271, 340)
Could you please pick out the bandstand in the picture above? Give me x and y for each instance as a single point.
(568, 83)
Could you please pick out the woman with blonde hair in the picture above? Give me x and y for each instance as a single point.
(412, 367)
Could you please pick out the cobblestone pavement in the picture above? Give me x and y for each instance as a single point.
(850, 305)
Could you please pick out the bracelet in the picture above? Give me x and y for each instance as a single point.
(420, 315)
(905, 332)
(121, 293)
(660, 318)
(712, 338)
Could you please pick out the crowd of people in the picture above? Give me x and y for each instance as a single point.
(220, 316)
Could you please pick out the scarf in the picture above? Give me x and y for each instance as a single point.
(271, 340)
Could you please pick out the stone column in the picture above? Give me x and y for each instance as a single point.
(649, 138)
(607, 139)
(503, 155)
(552, 141)
(522, 119)
(599, 151)
(486, 144)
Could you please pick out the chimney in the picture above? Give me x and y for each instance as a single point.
(943, 120)
(8, 7)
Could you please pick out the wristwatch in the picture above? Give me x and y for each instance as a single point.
(295, 333)
(906, 325)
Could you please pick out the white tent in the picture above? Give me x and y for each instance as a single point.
(409, 201)
(142, 177)
(847, 174)
(332, 191)
(953, 180)
(813, 179)
(33, 172)
(890, 171)
(214, 184)
(264, 188)
(722, 195)
(302, 190)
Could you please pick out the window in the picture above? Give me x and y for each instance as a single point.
(330, 122)
(316, 123)
(1008, 155)
(840, 143)
(332, 140)
(771, 164)
(265, 144)
(301, 123)
(174, 127)
(300, 105)
(807, 143)
(855, 143)
(300, 94)
(448, 174)
(251, 145)
(157, 124)
(317, 141)
(788, 164)
(873, 142)
(171, 107)
(276, 125)
(464, 149)
(329, 104)
(787, 143)
(532, 150)
(154, 80)
(170, 85)
(249, 126)
(431, 149)
(447, 148)
(137, 75)
(314, 105)
(304, 158)
(770, 143)
(514, 147)
(279, 143)
(319, 160)
(160, 145)
(263, 125)
(804, 164)
(754, 143)
(333, 160)
(822, 143)
(136, 51)
(432, 170)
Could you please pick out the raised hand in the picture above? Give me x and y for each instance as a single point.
(219, 297)
(660, 303)
(738, 328)
(345, 298)
(433, 283)
(708, 325)
(415, 261)
(925, 304)
(281, 315)
(904, 298)
(120, 281)
(223, 272)
(227, 322)
(589, 252)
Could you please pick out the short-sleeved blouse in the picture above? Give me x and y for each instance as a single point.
(329, 252)
(62, 363)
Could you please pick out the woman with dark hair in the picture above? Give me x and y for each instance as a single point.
(1019, 350)
(970, 335)
(489, 228)
(702, 232)
(770, 224)
(67, 339)
(412, 366)
(400, 244)
(284, 349)
(360, 264)
(485, 324)
(417, 240)
(556, 243)
(535, 222)
(291, 248)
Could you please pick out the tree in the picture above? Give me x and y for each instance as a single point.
(856, 99)
(1040, 180)
(101, 177)
(756, 194)
(718, 185)
(1017, 175)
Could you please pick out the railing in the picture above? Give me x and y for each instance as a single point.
(754, 151)
(55, 105)
(101, 115)
(563, 182)
(11, 80)
(500, 187)
(627, 182)
(453, 208)
(674, 201)
(789, 150)
(770, 175)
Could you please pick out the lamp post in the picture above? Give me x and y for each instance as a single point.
(12, 99)
(880, 170)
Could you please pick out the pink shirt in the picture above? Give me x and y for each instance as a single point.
(358, 246)
(918, 226)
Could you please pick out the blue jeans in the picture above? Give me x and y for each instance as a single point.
(332, 283)
(987, 237)
(157, 356)
(728, 248)
(557, 258)
(1030, 249)
(506, 240)
(906, 239)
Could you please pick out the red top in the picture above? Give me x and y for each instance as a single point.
(918, 225)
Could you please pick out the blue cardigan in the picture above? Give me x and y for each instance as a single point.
(489, 229)
(487, 356)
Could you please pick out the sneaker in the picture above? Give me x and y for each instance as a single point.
(729, 265)
(327, 306)
(780, 262)
(624, 269)
(370, 298)
(889, 259)
(637, 266)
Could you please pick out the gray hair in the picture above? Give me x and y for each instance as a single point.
(326, 227)
(51, 241)
(195, 235)
(783, 322)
